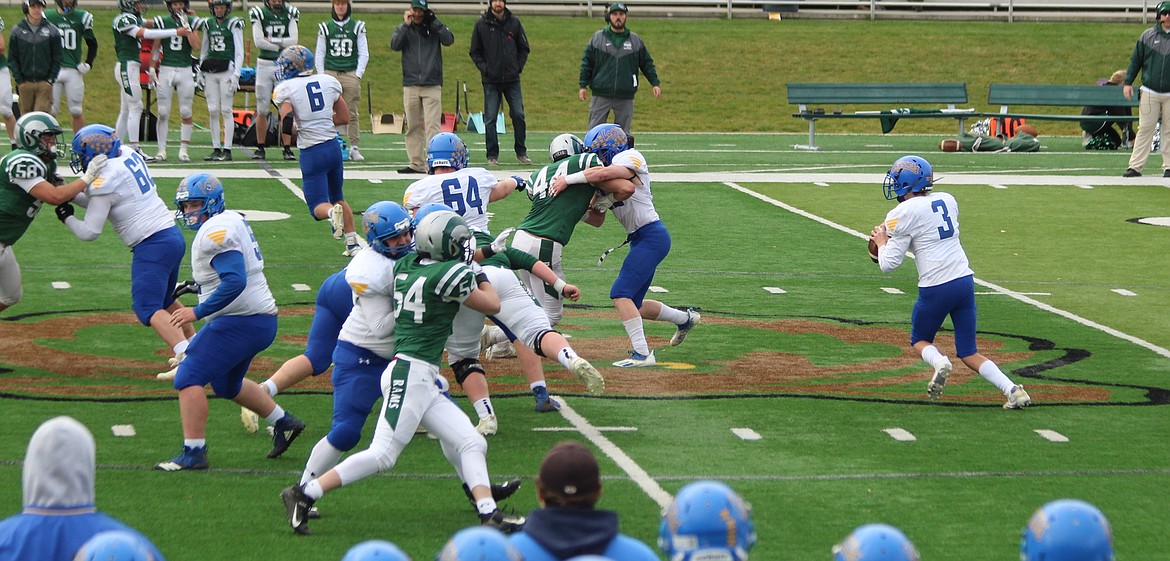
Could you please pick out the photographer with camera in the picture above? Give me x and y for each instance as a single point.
(610, 66)
(419, 39)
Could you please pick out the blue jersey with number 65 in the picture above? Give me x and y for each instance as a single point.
(312, 98)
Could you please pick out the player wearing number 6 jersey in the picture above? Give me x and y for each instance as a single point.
(125, 194)
(343, 52)
(314, 103)
(927, 223)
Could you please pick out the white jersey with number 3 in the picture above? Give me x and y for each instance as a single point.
(224, 232)
(467, 191)
(136, 211)
(638, 210)
(312, 98)
(928, 226)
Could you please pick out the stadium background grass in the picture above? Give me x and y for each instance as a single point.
(962, 492)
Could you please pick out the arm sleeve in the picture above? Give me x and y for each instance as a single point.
(158, 33)
(319, 52)
(522, 48)
(238, 37)
(378, 312)
(14, 58)
(476, 50)
(91, 47)
(363, 47)
(229, 265)
(260, 40)
(519, 259)
(446, 38)
(95, 219)
(294, 34)
(1135, 64)
(398, 38)
(55, 58)
(647, 65)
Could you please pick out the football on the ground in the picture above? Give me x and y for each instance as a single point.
(873, 250)
(1028, 129)
(950, 145)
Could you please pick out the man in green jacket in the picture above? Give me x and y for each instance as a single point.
(34, 52)
(1153, 61)
(610, 68)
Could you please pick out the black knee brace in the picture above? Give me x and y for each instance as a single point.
(536, 346)
(287, 124)
(465, 367)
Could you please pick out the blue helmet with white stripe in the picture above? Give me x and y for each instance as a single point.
(446, 150)
(294, 61)
(383, 221)
(90, 141)
(876, 542)
(199, 187)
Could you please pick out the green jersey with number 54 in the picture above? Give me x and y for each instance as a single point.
(427, 295)
(17, 207)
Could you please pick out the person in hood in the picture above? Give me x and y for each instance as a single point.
(59, 515)
(568, 524)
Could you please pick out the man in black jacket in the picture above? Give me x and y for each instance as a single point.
(420, 39)
(499, 49)
(34, 52)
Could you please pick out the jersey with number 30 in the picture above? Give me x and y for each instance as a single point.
(312, 98)
(20, 171)
(466, 191)
(928, 226)
(224, 232)
(427, 295)
(638, 210)
(136, 210)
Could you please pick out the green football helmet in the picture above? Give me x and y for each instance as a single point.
(31, 130)
(443, 236)
(129, 6)
(1163, 8)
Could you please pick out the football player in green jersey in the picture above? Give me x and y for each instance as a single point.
(220, 60)
(171, 74)
(274, 27)
(343, 52)
(28, 178)
(76, 26)
(129, 30)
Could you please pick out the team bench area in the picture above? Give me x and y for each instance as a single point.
(804, 95)
(1008, 95)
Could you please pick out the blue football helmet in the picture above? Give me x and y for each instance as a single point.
(478, 544)
(606, 140)
(565, 145)
(385, 220)
(910, 174)
(1067, 530)
(443, 236)
(294, 61)
(114, 545)
(446, 150)
(875, 542)
(709, 521)
(375, 550)
(91, 141)
(198, 187)
(428, 208)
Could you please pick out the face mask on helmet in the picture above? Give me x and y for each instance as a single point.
(294, 61)
(202, 187)
(910, 174)
(384, 221)
(606, 140)
(565, 145)
(443, 236)
(178, 7)
(446, 150)
(91, 141)
(275, 6)
(39, 133)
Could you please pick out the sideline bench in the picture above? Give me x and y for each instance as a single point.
(1007, 95)
(804, 94)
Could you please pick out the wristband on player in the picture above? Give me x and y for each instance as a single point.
(481, 278)
(488, 252)
(560, 285)
(576, 178)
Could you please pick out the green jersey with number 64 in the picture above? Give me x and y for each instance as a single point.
(17, 207)
(341, 51)
(555, 217)
(427, 295)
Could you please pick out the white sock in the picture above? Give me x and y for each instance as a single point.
(993, 374)
(539, 384)
(351, 238)
(322, 459)
(637, 336)
(314, 490)
(932, 357)
(216, 142)
(566, 356)
(180, 347)
(194, 442)
(483, 407)
(185, 133)
(270, 387)
(486, 506)
(673, 315)
(276, 415)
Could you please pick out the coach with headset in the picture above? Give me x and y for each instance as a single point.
(609, 67)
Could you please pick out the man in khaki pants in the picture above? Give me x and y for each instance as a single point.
(1151, 59)
(420, 39)
(343, 52)
(35, 56)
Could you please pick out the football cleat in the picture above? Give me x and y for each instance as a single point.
(188, 286)
(487, 425)
(250, 419)
(506, 523)
(355, 154)
(693, 319)
(1018, 398)
(286, 431)
(173, 362)
(544, 402)
(500, 491)
(161, 156)
(637, 360)
(288, 154)
(314, 513)
(184, 156)
(214, 156)
(296, 506)
(503, 349)
(259, 153)
(938, 382)
(225, 155)
(192, 458)
(588, 375)
(336, 216)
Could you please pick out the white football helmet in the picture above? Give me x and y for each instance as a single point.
(565, 145)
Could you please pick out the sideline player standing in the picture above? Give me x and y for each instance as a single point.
(6, 89)
(174, 75)
(241, 322)
(274, 27)
(221, 57)
(343, 51)
(315, 104)
(76, 26)
(649, 241)
(927, 224)
(129, 29)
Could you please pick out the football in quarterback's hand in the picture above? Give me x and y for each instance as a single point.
(873, 250)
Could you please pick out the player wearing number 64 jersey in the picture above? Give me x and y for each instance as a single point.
(125, 194)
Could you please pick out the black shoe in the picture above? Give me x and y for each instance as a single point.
(258, 154)
(185, 287)
(288, 154)
(284, 433)
(314, 513)
(225, 156)
(500, 491)
(506, 523)
(1166, 173)
(1130, 172)
(296, 506)
(215, 156)
(409, 169)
